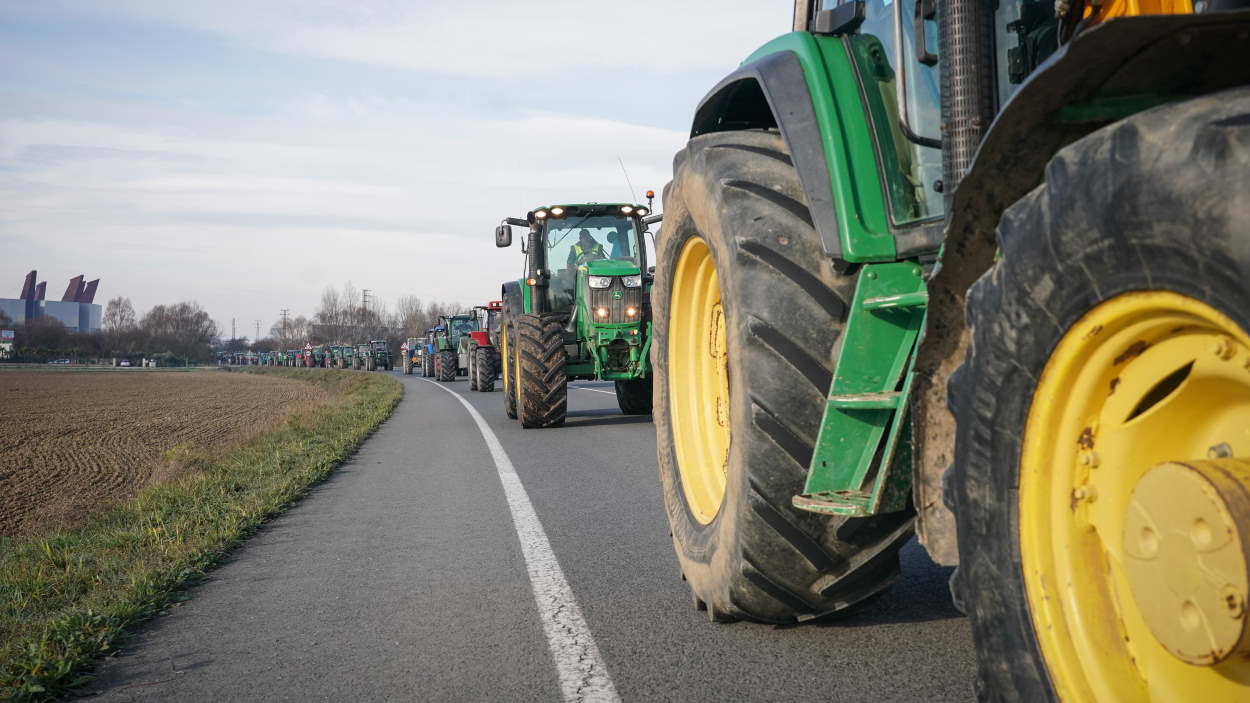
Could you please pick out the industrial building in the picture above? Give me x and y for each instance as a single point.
(76, 309)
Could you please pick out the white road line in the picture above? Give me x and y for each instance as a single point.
(595, 390)
(582, 673)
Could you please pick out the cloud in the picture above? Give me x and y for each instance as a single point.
(487, 38)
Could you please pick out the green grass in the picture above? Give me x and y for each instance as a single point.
(67, 597)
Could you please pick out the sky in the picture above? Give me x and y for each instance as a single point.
(246, 155)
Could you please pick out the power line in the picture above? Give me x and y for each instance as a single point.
(627, 181)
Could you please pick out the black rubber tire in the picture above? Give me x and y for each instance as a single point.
(445, 365)
(634, 397)
(427, 369)
(508, 370)
(542, 399)
(472, 375)
(407, 367)
(784, 304)
(483, 369)
(1154, 202)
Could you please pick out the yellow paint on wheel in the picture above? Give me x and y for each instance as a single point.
(698, 380)
(1133, 513)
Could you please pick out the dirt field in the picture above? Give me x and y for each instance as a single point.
(74, 442)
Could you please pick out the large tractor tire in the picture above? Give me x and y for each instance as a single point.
(445, 365)
(407, 365)
(472, 375)
(731, 363)
(483, 369)
(509, 363)
(542, 392)
(634, 396)
(1103, 522)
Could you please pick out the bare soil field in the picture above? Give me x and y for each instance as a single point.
(73, 443)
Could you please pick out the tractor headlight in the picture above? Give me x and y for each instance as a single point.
(632, 281)
(601, 312)
(540, 214)
(557, 211)
(626, 209)
(599, 281)
(642, 212)
(631, 311)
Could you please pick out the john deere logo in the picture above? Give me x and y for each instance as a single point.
(616, 295)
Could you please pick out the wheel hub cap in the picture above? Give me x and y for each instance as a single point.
(1186, 558)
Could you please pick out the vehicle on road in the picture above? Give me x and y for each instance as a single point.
(1010, 316)
(479, 350)
(445, 346)
(581, 312)
(365, 360)
(382, 360)
(408, 354)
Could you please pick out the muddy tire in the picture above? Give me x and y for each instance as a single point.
(634, 397)
(508, 364)
(736, 202)
(542, 398)
(445, 365)
(1153, 203)
(483, 369)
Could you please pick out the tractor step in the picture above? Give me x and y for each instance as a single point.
(918, 299)
(848, 503)
(887, 400)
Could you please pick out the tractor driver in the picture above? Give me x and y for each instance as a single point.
(586, 249)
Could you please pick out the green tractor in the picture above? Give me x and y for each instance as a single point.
(976, 270)
(447, 358)
(382, 360)
(581, 312)
(365, 360)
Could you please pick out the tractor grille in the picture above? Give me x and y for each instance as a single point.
(606, 298)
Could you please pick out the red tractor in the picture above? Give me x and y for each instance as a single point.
(482, 348)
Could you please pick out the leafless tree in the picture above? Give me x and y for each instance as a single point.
(119, 315)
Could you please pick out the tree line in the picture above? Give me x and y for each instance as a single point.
(177, 332)
(185, 331)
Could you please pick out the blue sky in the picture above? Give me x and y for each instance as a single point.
(248, 154)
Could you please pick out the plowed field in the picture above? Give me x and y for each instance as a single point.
(72, 443)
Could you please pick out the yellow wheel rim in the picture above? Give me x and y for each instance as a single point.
(698, 380)
(503, 357)
(1115, 468)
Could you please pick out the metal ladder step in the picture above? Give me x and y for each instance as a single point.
(850, 503)
(917, 299)
(887, 400)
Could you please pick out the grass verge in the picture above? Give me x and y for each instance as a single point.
(66, 597)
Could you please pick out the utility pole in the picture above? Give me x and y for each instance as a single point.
(257, 337)
(364, 298)
(285, 314)
(233, 334)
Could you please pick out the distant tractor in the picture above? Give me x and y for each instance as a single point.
(581, 312)
(448, 361)
(382, 360)
(408, 355)
(427, 353)
(365, 360)
(479, 350)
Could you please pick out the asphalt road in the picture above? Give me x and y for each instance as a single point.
(406, 576)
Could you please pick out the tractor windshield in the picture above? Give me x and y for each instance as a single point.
(576, 241)
(462, 326)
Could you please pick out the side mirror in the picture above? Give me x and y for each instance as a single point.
(503, 236)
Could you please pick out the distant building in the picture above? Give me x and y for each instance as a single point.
(76, 309)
